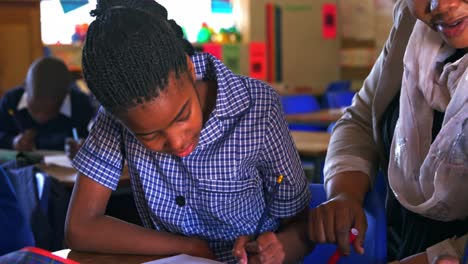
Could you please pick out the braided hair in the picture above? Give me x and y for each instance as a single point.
(130, 51)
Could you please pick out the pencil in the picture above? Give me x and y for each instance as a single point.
(260, 223)
(337, 254)
(75, 134)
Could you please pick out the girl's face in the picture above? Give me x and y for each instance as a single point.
(172, 122)
(448, 17)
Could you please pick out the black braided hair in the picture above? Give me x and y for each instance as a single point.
(130, 51)
(155, 8)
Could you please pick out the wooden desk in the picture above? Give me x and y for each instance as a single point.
(62, 174)
(322, 117)
(9, 154)
(95, 258)
(311, 144)
(65, 175)
(68, 175)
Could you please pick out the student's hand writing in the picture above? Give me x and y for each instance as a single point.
(332, 221)
(266, 249)
(72, 147)
(200, 248)
(25, 141)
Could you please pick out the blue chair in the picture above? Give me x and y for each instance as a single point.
(375, 244)
(331, 127)
(339, 99)
(14, 227)
(301, 104)
(380, 186)
(338, 86)
(42, 201)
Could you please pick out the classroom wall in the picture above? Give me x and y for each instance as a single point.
(20, 40)
(308, 59)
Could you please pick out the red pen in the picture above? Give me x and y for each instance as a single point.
(337, 255)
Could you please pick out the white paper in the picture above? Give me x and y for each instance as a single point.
(183, 258)
(59, 160)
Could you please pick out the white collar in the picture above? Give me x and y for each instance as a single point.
(65, 109)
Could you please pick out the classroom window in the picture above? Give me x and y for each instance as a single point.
(58, 27)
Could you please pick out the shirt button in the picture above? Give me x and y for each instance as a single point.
(180, 200)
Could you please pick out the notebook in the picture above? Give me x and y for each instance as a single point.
(183, 258)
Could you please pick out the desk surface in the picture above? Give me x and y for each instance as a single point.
(9, 154)
(307, 143)
(65, 175)
(326, 116)
(95, 258)
(68, 175)
(311, 143)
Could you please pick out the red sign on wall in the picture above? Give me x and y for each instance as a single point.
(329, 22)
(214, 49)
(257, 61)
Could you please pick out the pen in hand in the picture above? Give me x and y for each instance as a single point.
(279, 180)
(337, 254)
(72, 145)
(75, 134)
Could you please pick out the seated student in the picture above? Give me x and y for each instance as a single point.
(42, 113)
(204, 148)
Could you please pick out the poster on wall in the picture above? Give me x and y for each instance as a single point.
(70, 5)
(221, 6)
(357, 18)
(329, 21)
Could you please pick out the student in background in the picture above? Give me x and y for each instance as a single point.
(411, 119)
(42, 113)
(204, 148)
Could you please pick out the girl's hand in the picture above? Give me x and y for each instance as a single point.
(200, 248)
(266, 249)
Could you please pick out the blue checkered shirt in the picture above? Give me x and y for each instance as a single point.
(243, 147)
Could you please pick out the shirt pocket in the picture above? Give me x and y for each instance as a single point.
(235, 203)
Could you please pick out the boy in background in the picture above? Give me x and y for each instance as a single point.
(43, 112)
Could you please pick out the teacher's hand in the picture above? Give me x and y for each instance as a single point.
(332, 221)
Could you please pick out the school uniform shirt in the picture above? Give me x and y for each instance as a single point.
(76, 112)
(218, 192)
